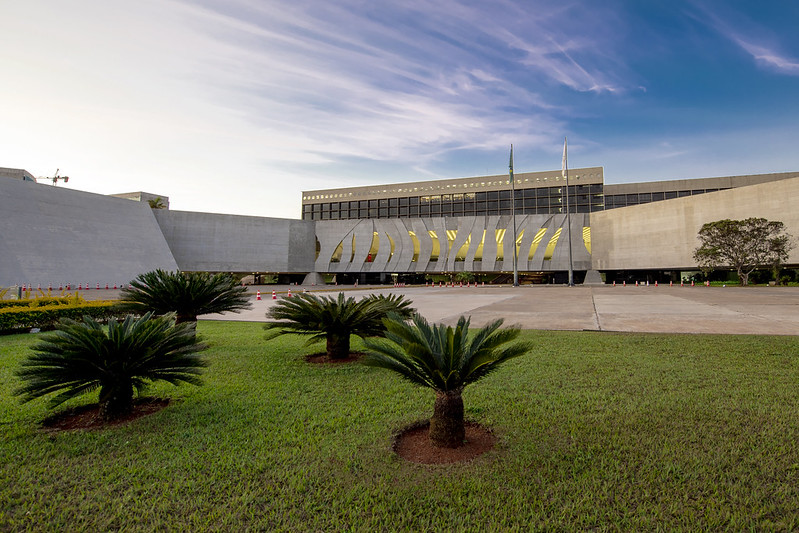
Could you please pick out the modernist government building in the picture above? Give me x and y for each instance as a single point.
(52, 236)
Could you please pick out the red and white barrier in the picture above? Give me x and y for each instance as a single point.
(258, 295)
(289, 294)
(274, 295)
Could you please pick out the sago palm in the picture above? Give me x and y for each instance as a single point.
(334, 320)
(80, 357)
(187, 294)
(445, 360)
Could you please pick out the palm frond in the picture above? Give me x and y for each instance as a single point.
(442, 357)
(80, 357)
(184, 293)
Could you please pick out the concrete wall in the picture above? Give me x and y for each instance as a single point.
(663, 235)
(53, 235)
(233, 243)
(407, 256)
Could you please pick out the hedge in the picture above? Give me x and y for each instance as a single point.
(47, 316)
(39, 302)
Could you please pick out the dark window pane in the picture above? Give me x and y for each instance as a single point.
(393, 212)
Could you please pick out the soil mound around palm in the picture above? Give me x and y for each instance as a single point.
(322, 358)
(412, 444)
(88, 416)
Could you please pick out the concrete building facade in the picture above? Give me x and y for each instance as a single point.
(55, 235)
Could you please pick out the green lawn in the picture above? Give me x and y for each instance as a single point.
(596, 430)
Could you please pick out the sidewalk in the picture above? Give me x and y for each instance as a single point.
(663, 309)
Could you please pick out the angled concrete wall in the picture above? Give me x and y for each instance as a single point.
(233, 243)
(53, 235)
(410, 244)
(663, 235)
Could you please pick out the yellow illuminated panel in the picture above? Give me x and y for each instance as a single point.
(587, 238)
(375, 246)
(416, 246)
(535, 243)
(336, 257)
(500, 237)
(478, 253)
(436, 246)
(461, 254)
(551, 246)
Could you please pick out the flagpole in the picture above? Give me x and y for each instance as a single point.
(513, 210)
(568, 211)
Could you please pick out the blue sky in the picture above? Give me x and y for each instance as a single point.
(238, 106)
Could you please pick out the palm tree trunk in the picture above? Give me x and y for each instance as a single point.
(115, 402)
(338, 345)
(180, 318)
(447, 428)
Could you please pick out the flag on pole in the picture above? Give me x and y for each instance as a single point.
(510, 164)
(563, 168)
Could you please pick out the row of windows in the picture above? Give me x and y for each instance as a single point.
(542, 200)
(493, 208)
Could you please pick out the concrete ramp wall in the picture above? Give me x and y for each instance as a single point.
(234, 243)
(664, 234)
(53, 235)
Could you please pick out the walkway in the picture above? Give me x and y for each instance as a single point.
(737, 310)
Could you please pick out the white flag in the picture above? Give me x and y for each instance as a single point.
(563, 168)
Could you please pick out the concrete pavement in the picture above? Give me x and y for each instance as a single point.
(664, 309)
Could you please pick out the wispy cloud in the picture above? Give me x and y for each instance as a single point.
(409, 82)
(755, 39)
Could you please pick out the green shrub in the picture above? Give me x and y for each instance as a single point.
(47, 316)
(40, 302)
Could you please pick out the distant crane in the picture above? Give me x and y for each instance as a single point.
(55, 178)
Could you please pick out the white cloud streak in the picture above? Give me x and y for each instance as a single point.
(216, 98)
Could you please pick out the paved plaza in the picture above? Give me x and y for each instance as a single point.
(663, 309)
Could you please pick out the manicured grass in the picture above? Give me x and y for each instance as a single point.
(607, 431)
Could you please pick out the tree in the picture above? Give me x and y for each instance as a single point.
(79, 357)
(335, 319)
(157, 203)
(187, 294)
(742, 244)
(445, 360)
